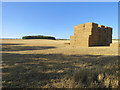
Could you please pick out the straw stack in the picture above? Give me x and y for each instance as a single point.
(91, 34)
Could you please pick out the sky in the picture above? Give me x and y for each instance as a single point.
(55, 18)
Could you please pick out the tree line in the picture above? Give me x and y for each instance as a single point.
(38, 37)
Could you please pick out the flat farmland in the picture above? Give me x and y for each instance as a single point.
(44, 63)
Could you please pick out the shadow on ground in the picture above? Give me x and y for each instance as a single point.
(10, 44)
(16, 47)
(36, 70)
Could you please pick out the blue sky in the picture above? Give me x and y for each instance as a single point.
(55, 18)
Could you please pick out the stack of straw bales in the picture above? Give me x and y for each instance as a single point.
(91, 34)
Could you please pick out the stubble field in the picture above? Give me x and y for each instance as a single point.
(56, 64)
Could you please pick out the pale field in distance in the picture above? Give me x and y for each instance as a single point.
(60, 48)
(40, 63)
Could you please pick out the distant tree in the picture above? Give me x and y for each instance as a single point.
(38, 37)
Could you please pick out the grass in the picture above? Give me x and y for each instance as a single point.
(24, 70)
(56, 70)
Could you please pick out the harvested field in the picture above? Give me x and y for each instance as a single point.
(56, 64)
